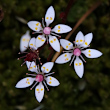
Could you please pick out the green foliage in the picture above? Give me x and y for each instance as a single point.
(92, 92)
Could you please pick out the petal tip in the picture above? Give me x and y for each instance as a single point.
(28, 23)
(58, 83)
(52, 63)
(51, 7)
(58, 50)
(16, 86)
(80, 32)
(80, 76)
(90, 34)
(70, 28)
(101, 54)
(39, 100)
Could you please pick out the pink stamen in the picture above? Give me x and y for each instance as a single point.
(47, 30)
(77, 52)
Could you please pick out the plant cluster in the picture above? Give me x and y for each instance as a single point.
(42, 76)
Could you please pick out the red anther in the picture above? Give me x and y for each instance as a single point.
(33, 32)
(69, 64)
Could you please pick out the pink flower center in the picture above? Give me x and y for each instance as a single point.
(47, 30)
(39, 78)
(77, 52)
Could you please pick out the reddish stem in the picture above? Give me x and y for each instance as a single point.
(77, 25)
(65, 14)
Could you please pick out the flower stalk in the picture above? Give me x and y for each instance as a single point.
(97, 4)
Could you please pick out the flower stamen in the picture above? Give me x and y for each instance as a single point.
(33, 86)
(23, 63)
(46, 85)
(47, 39)
(72, 60)
(31, 74)
(36, 32)
(83, 58)
(56, 34)
(49, 74)
(43, 23)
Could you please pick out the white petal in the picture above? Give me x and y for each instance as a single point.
(40, 40)
(79, 68)
(92, 53)
(54, 43)
(47, 67)
(51, 81)
(79, 38)
(87, 40)
(31, 66)
(24, 41)
(25, 82)
(67, 45)
(39, 92)
(35, 25)
(32, 43)
(64, 58)
(50, 15)
(61, 28)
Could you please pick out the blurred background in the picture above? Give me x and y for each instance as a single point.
(92, 92)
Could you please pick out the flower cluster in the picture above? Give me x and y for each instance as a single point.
(41, 77)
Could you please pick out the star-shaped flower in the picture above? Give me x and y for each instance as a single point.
(24, 41)
(41, 77)
(47, 31)
(33, 53)
(81, 42)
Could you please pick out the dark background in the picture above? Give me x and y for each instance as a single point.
(92, 92)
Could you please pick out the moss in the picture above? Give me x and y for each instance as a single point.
(69, 95)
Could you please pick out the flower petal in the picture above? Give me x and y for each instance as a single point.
(51, 81)
(24, 41)
(25, 82)
(64, 58)
(54, 43)
(50, 15)
(61, 28)
(31, 66)
(79, 38)
(92, 53)
(39, 92)
(47, 67)
(67, 45)
(87, 40)
(40, 40)
(32, 43)
(78, 66)
(35, 25)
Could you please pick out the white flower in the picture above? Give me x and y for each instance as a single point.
(41, 77)
(33, 53)
(81, 42)
(26, 41)
(47, 31)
